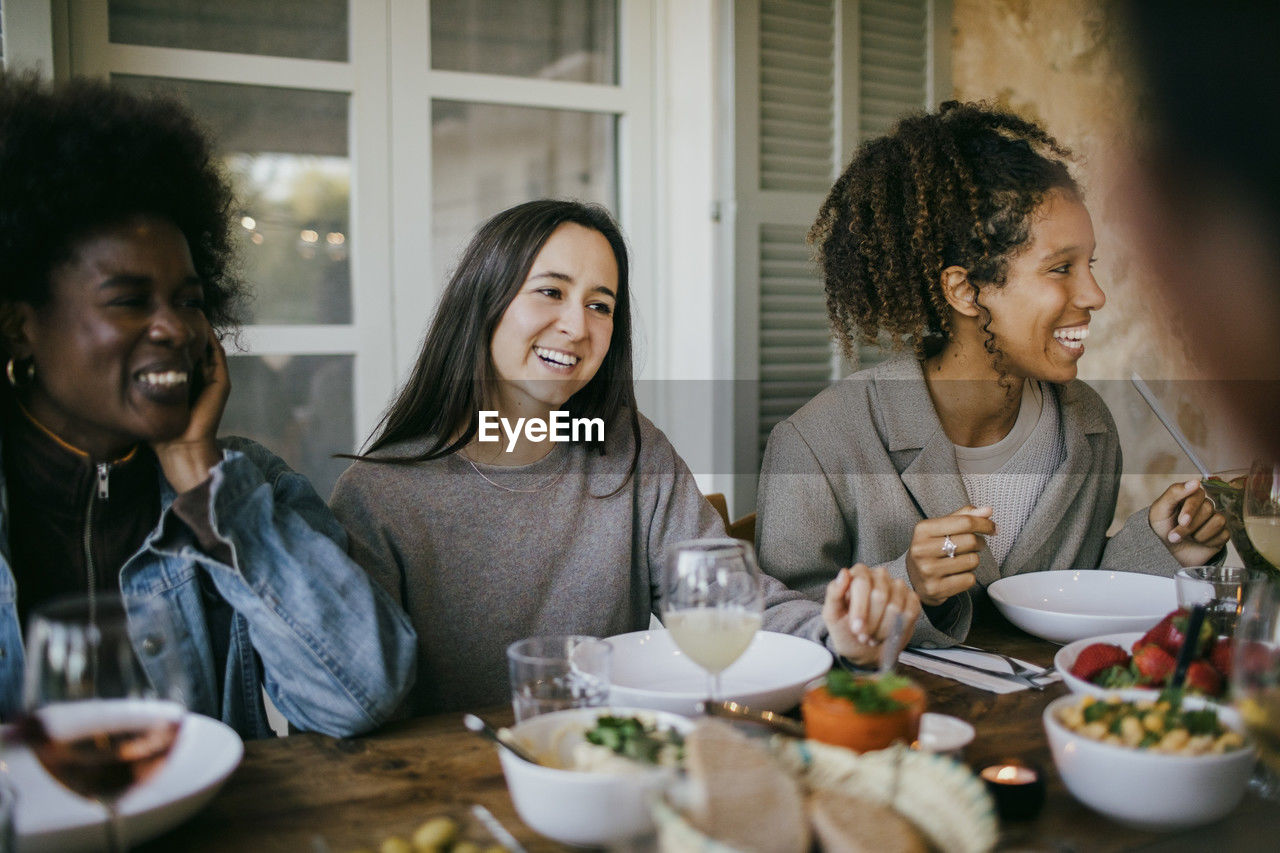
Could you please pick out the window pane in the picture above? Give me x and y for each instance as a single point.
(297, 406)
(486, 158)
(553, 39)
(286, 153)
(304, 29)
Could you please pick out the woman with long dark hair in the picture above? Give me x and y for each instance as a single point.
(115, 245)
(485, 542)
(980, 455)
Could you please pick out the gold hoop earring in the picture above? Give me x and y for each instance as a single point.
(11, 372)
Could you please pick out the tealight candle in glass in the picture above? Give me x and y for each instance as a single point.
(1017, 787)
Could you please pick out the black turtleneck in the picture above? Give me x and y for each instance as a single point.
(66, 509)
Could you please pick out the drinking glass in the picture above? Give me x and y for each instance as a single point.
(1262, 510)
(712, 602)
(558, 672)
(1255, 681)
(1221, 589)
(98, 717)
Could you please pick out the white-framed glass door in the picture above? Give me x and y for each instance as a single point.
(495, 102)
(366, 139)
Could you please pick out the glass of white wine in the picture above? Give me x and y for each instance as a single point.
(1261, 510)
(1255, 681)
(712, 602)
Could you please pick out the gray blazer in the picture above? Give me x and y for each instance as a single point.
(847, 477)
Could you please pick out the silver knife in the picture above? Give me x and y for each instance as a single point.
(496, 829)
(1007, 676)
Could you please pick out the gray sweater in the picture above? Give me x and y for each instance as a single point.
(846, 479)
(478, 567)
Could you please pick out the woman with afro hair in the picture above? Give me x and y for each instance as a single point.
(978, 455)
(115, 250)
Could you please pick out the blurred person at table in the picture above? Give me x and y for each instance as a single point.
(115, 246)
(1203, 198)
(979, 455)
(489, 542)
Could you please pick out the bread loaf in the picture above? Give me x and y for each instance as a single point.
(844, 823)
(745, 799)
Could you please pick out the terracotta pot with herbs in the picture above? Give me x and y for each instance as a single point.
(863, 713)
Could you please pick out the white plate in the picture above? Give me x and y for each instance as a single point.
(1064, 606)
(51, 818)
(649, 671)
(1066, 658)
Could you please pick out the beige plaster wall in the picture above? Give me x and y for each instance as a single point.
(1062, 63)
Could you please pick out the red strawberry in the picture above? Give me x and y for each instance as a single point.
(1202, 677)
(1152, 664)
(1178, 634)
(1161, 634)
(1094, 658)
(1220, 656)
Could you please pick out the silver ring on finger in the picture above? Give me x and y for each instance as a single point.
(948, 547)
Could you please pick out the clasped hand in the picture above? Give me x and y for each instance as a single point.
(860, 608)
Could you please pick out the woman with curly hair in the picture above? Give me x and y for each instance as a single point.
(488, 542)
(115, 243)
(963, 235)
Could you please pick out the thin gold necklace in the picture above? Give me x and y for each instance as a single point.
(543, 485)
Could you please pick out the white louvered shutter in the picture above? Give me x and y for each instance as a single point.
(813, 78)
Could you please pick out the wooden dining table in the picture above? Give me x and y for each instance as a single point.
(312, 793)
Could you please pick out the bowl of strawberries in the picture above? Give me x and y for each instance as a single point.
(1145, 661)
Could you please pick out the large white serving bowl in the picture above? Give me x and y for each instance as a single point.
(1063, 606)
(650, 671)
(1143, 789)
(51, 818)
(574, 807)
(1066, 658)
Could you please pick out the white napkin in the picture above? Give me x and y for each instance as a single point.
(968, 676)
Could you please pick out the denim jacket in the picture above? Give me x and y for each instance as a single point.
(293, 612)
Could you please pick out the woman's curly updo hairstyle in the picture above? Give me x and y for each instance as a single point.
(951, 188)
(82, 156)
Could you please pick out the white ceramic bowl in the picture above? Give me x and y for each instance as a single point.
(649, 671)
(573, 807)
(1063, 606)
(944, 734)
(1066, 658)
(1148, 790)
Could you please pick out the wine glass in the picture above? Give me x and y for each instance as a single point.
(1261, 510)
(1255, 681)
(99, 717)
(712, 602)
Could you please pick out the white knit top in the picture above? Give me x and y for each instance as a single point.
(1010, 475)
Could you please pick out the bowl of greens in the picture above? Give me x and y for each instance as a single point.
(597, 773)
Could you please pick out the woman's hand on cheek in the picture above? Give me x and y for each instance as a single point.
(187, 459)
(1186, 521)
(860, 609)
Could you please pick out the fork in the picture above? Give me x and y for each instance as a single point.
(1019, 668)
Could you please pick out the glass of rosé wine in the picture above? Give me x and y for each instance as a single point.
(103, 696)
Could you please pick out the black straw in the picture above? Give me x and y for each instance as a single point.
(1189, 642)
